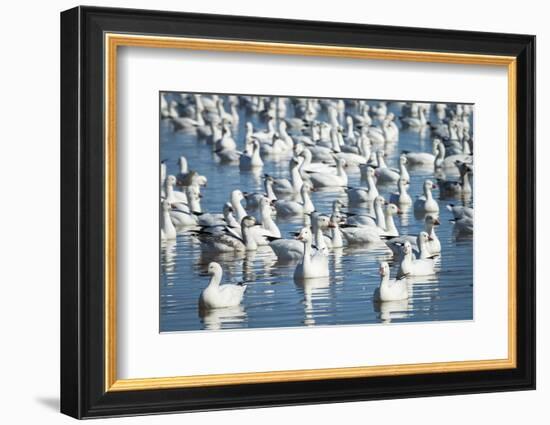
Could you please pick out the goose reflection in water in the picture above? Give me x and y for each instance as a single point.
(392, 310)
(315, 291)
(223, 318)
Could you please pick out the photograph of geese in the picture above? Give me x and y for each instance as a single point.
(297, 211)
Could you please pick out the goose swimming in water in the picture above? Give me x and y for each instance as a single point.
(433, 245)
(401, 197)
(384, 174)
(314, 264)
(369, 193)
(410, 266)
(328, 180)
(390, 289)
(292, 249)
(426, 202)
(220, 296)
(253, 199)
(304, 206)
(462, 186)
(253, 160)
(284, 186)
(167, 229)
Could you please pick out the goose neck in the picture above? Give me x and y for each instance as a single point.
(336, 236)
(237, 206)
(248, 239)
(215, 279)
(269, 190)
(379, 214)
(427, 193)
(296, 178)
(390, 224)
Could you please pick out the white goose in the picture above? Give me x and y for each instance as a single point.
(426, 202)
(309, 166)
(253, 160)
(167, 229)
(174, 197)
(235, 198)
(425, 158)
(384, 174)
(220, 296)
(401, 197)
(369, 193)
(364, 220)
(361, 235)
(253, 199)
(410, 266)
(335, 239)
(270, 227)
(288, 207)
(226, 143)
(328, 180)
(462, 186)
(292, 250)
(390, 289)
(284, 186)
(433, 245)
(314, 264)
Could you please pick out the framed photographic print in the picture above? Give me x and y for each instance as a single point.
(261, 212)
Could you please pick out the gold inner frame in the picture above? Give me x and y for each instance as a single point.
(113, 41)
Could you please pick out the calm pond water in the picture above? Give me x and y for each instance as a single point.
(272, 298)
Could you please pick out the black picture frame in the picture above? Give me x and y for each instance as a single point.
(82, 219)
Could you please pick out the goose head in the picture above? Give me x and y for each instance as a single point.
(406, 248)
(199, 180)
(237, 195)
(214, 269)
(402, 184)
(307, 188)
(370, 171)
(403, 159)
(431, 220)
(428, 186)
(264, 203)
(298, 149)
(379, 201)
(384, 269)
(341, 163)
(422, 239)
(334, 220)
(305, 235)
(248, 221)
(323, 222)
(170, 180)
(392, 209)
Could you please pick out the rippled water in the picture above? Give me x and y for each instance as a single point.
(272, 297)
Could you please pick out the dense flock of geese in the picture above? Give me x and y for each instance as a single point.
(319, 152)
